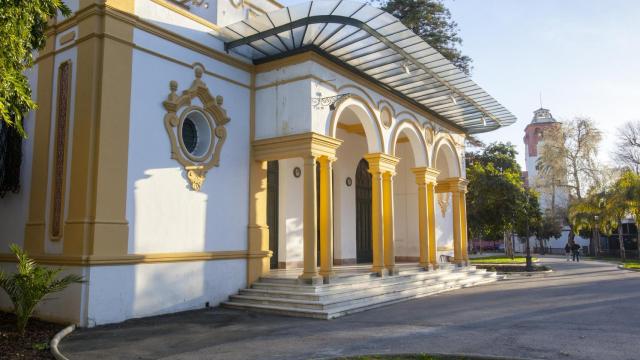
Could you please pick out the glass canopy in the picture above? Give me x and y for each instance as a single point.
(378, 47)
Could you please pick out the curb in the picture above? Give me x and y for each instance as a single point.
(56, 340)
(621, 267)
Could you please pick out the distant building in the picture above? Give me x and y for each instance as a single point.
(534, 135)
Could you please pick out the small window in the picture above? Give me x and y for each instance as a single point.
(196, 134)
(189, 135)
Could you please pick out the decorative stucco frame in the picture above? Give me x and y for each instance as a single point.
(178, 107)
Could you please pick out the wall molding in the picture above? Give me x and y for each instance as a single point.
(96, 260)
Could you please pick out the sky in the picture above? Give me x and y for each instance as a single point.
(582, 57)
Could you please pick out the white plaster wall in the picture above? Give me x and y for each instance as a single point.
(127, 291)
(444, 227)
(349, 154)
(290, 210)
(14, 208)
(405, 199)
(164, 214)
(283, 110)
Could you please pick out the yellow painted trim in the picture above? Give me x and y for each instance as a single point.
(96, 260)
(380, 162)
(295, 146)
(67, 38)
(96, 223)
(326, 216)
(454, 184)
(108, 11)
(64, 142)
(186, 13)
(35, 226)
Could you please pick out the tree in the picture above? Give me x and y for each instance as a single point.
(431, 20)
(22, 27)
(568, 158)
(628, 146)
(30, 284)
(495, 192)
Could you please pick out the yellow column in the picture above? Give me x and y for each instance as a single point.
(258, 229)
(425, 178)
(465, 244)
(310, 251)
(326, 217)
(431, 198)
(382, 168)
(457, 228)
(389, 236)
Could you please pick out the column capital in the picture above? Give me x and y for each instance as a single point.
(293, 146)
(381, 163)
(453, 185)
(425, 175)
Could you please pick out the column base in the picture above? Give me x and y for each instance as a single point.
(392, 270)
(429, 267)
(381, 271)
(329, 278)
(310, 279)
(460, 263)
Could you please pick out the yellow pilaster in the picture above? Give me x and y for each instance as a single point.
(463, 209)
(457, 187)
(425, 178)
(382, 168)
(431, 198)
(310, 226)
(258, 229)
(389, 235)
(326, 217)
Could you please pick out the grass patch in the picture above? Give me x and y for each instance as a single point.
(412, 357)
(632, 264)
(501, 260)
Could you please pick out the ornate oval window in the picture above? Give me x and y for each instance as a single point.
(195, 134)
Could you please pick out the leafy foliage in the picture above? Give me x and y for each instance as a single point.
(30, 284)
(628, 147)
(431, 20)
(22, 27)
(497, 201)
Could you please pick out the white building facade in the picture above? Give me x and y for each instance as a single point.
(181, 152)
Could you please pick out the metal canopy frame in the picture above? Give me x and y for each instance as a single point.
(376, 46)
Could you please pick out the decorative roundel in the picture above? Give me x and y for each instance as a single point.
(297, 172)
(385, 117)
(349, 181)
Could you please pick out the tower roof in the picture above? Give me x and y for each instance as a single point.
(542, 115)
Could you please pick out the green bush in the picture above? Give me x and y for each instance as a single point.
(30, 284)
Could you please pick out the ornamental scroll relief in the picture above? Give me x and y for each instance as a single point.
(196, 132)
(443, 202)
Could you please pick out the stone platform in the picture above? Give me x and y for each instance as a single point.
(353, 289)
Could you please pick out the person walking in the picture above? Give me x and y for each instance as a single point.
(567, 251)
(576, 252)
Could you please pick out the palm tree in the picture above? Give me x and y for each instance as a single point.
(628, 195)
(591, 211)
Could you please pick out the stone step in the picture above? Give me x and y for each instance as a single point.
(328, 302)
(374, 281)
(340, 308)
(392, 283)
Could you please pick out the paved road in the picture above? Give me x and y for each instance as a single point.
(589, 310)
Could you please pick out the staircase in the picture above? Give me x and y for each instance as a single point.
(351, 292)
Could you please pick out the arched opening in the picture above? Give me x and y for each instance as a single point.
(408, 145)
(364, 249)
(358, 128)
(447, 163)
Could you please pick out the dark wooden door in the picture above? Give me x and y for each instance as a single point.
(364, 252)
(272, 210)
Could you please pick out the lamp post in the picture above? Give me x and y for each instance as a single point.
(597, 235)
(526, 214)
